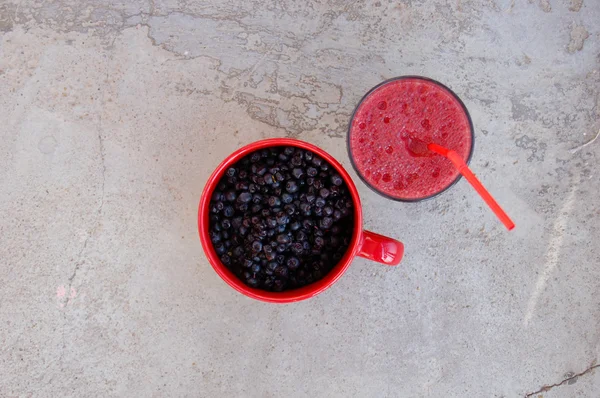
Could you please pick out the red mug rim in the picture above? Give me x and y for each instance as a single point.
(287, 296)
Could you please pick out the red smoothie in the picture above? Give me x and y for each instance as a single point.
(387, 124)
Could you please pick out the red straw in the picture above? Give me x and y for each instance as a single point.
(463, 169)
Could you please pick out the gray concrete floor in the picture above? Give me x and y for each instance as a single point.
(113, 114)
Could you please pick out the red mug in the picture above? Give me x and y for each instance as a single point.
(364, 243)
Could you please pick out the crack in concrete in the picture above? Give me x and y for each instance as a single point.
(567, 380)
(80, 261)
(102, 191)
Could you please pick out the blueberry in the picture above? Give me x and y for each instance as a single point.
(226, 224)
(336, 180)
(294, 226)
(247, 263)
(311, 172)
(271, 222)
(278, 285)
(282, 218)
(281, 271)
(328, 210)
(282, 238)
(215, 237)
(292, 263)
(308, 224)
(337, 215)
(242, 186)
(297, 248)
(274, 201)
(238, 251)
(289, 209)
(230, 196)
(236, 222)
(244, 197)
(297, 173)
(270, 256)
(301, 236)
(326, 222)
(324, 193)
(291, 187)
(257, 198)
(320, 202)
(217, 196)
(219, 248)
(287, 198)
(305, 209)
(228, 211)
(261, 170)
(268, 177)
(256, 246)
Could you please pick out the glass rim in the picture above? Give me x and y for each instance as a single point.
(383, 83)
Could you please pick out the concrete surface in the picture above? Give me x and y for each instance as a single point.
(113, 114)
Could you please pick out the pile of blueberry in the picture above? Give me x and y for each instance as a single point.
(281, 218)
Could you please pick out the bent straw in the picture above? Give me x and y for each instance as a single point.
(463, 169)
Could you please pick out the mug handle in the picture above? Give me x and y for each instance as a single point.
(380, 248)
